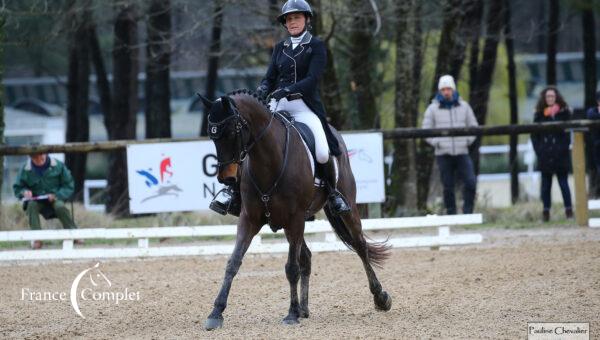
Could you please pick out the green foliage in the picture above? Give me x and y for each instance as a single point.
(35, 43)
(498, 109)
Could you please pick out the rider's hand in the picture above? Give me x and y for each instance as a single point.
(51, 197)
(27, 194)
(277, 95)
(261, 91)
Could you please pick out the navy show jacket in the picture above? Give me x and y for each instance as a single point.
(299, 70)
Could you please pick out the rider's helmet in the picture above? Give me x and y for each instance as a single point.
(294, 6)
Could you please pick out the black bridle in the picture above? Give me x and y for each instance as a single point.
(216, 131)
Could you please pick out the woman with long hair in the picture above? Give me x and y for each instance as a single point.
(552, 149)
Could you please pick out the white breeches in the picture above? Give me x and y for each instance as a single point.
(298, 109)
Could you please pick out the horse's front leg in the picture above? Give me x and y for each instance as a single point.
(294, 234)
(305, 266)
(245, 232)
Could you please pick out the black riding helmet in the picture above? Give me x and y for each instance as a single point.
(294, 6)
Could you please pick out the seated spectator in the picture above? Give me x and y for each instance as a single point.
(44, 184)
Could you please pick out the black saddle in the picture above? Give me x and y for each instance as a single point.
(304, 131)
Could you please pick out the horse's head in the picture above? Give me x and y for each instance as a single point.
(230, 133)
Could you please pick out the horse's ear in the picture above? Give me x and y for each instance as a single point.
(227, 104)
(207, 102)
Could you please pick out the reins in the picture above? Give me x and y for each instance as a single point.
(265, 196)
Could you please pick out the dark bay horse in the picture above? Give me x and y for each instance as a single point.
(277, 188)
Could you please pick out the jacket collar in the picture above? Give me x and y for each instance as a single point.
(28, 164)
(305, 40)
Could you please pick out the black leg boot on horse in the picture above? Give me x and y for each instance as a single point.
(227, 201)
(335, 199)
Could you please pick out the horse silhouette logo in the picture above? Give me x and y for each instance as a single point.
(164, 185)
(361, 154)
(96, 277)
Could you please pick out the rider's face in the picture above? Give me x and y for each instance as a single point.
(295, 22)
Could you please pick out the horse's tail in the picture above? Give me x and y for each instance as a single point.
(377, 252)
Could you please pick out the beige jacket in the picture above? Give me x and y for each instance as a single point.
(460, 115)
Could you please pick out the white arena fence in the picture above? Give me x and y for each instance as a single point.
(594, 205)
(329, 241)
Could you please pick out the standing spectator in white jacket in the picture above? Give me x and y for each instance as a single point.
(448, 110)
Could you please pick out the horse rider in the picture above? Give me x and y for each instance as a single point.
(292, 83)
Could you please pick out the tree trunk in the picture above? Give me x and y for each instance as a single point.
(448, 39)
(78, 91)
(330, 89)
(553, 26)
(124, 103)
(404, 184)
(485, 71)
(590, 81)
(512, 95)
(101, 78)
(213, 61)
(2, 22)
(158, 59)
(589, 56)
(361, 42)
(468, 18)
(474, 47)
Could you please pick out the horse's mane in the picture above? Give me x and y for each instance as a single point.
(250, 95)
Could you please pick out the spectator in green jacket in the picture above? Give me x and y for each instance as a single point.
(45, 184)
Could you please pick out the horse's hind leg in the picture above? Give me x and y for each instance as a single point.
(245, 233)
(294, 234)
(305, 264)
(348, 227)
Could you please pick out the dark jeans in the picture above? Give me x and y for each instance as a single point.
(449, 166)
(547, 189)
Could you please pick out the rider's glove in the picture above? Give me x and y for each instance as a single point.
(277, 95)
(261, 91)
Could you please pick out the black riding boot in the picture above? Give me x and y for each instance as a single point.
(227, 201)
(336, 200)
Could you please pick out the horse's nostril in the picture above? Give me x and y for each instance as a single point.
(228, 175)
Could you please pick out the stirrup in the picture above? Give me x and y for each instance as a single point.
(338, 203)
(226, 202)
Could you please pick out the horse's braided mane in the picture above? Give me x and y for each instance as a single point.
(252, 94)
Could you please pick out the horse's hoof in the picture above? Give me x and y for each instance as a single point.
(304, 313)
(213, 323)
(383, 301)
(290, 321)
